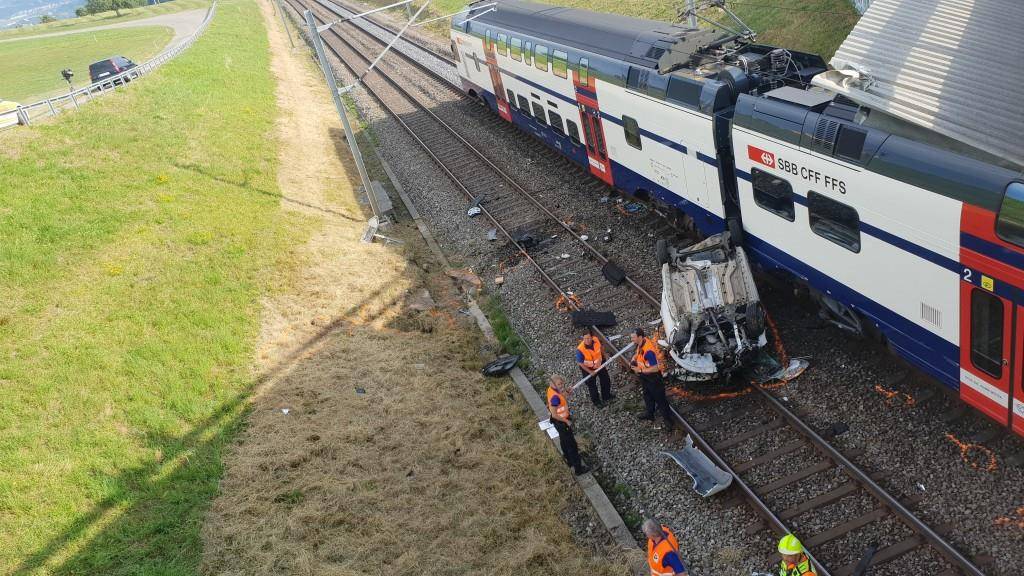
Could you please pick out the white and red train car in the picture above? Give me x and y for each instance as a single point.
(898, 231)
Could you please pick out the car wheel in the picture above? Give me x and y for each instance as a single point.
(661, 251)
(754, 319)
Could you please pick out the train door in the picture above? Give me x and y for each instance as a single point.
(499, 88)
(597, 151)
(989, 344)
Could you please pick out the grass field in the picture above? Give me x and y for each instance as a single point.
(104, 18)
(817, 26)
(137, 236)
(31, 67)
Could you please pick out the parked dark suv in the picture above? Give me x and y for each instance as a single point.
(109, 68)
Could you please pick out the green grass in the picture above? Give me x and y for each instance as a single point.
(817, 26)
(31, 67)
(105, 18)
(510, 342)
(137, 238)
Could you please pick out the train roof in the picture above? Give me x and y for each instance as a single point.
(947, 66)
(634, 40)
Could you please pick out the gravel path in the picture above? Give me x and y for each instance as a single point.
(908, 443)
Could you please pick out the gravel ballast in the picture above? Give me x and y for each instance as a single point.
(908, 443)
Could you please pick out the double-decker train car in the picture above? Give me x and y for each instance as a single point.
(643, 104)
(898, 231)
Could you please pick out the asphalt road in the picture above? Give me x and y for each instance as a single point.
(183, 24)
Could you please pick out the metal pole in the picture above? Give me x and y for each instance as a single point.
(602, 366)
(332, 85)
(284, 23)
(692, 4)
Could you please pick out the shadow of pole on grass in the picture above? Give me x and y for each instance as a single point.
(156, 501)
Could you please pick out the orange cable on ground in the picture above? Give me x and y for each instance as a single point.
(1017, 522)
(891, 396)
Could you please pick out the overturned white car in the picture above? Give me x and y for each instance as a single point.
(713, 318)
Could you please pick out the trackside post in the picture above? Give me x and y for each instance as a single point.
(318, 45)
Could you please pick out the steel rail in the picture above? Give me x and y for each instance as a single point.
(387, 28)
(512, 182)
(851, 469)
(854, 472)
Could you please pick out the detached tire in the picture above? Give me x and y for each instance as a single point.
(661, 252)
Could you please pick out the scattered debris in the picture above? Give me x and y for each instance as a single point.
(707, 478)
(419, 366)
(474, 211)
(893, 396)
(565, 256)
(614, 337)
(584, 318)
(360, 390)
(1017, 521)
(568, 304)
(499, 280)
(584, 237)
(548, 427)
(422, 301)
(501, 365)
(634, 207)
(989, 464)
(603, 200)
(492, 234)
(525, 240)
(920, 487)
(465, 275)
(285, 411)
(613, 273)
(607, 235)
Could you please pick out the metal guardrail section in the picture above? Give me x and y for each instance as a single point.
(26, 114)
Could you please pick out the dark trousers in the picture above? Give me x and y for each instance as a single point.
(605, 380)
(654, 397)
(568, 441)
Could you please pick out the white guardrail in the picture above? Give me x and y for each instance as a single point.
(26, 114)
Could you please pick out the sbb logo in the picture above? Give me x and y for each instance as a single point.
(761, 156)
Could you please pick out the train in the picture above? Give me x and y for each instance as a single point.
(898, 232)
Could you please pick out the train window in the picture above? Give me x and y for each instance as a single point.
(524, 104)
(584, 72)
(683, 91)
(637, 79)
(1010, 225)
(632, 130)
(517, 49)
(528, 53)
(599, 138)
(555, 120)
(540, 57)
(849, 143)
(834, 221)
(538, 112)
(503, 44)
(560, 64)
(572, 130)
(590, 135)
(773, 194)
(511, 97)
(987, 332)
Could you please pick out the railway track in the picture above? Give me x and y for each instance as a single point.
(747, 436)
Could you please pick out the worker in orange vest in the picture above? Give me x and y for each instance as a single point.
(794, 558)
(589, 358)
(645, 365)
(558, 408)
(662, 550)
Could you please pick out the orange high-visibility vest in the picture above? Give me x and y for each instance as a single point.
(562, 410)
(641, 352)
(592, 357)
(656, 553)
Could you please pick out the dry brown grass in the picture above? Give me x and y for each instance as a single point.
(395, 456)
